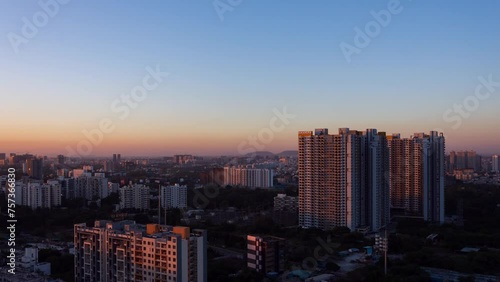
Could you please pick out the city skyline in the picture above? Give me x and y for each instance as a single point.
(249, 140)
(143, 153)
(226, 76)
(138, 153)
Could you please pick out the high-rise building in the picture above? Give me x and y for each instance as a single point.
(134, 197)
(406, 174)
(80, 172)
(16, 159)
(2, 156)
(433, 166)
(37, 195)
(266, 254)
(417, 175)
(63, 172)
(173, 196)
(183, 159)
(213, 176)
(60, 159)
(248, 177)
(376, 203)
(464, 160)
(343, 179)
(113, 187)
(126, 251)
(20, 187)
(117, 158)
(495, 164)
(34, 168)
(452, 159)
(89, 187)
(108, 166)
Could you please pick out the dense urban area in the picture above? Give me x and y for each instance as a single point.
(254, 217)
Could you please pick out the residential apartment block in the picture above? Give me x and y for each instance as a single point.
(495, 164)
(134, 197)
(266, 254)
(174, 196)
(126, 251)
(343, 179)
(417, 166)
(38, 195)
(248, 177)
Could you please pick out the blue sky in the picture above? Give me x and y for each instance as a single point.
(226, 77)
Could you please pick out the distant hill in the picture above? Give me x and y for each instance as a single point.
(260, 154)
(289, 153)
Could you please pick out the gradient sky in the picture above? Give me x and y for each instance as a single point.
(226, 77)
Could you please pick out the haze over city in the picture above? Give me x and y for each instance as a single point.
(227, 73)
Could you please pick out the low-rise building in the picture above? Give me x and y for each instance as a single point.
(266, 254)
(282, 202)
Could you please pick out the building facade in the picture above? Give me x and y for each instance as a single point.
(433, 167)
(248, 177)
(266, 254)
(417, 166)
(464, 160)
(282, 202)
(174, 196)
(134, 197)
(38, 195)
(34, 168)
(495, 164)
(126, 251)
(343, 179)
(89, 187)
(183, 159)
(406, 183)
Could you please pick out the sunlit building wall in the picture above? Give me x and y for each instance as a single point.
(495, 163)
(342, 179)
(126, 251)
(248, 177)
(417, 166)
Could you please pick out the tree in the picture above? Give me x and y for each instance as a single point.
(469, 278)
(332, 266)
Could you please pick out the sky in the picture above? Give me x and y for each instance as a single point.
(220, 74)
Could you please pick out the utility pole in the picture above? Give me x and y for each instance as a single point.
(381, 243)
(159, 202)
(385, 252)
